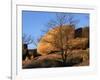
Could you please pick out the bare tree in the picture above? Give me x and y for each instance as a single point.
(60, 40)
(27, 40)
(30, 40)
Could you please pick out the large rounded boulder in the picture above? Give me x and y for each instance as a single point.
(47, 42)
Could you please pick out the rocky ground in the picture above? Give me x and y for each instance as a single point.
(77, 58)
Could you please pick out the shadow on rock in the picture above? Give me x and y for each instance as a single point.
(74, 61)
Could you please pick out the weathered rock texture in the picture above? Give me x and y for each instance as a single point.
(47, 42)
(77, 39)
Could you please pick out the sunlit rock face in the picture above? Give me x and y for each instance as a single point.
(78, 43)
(52, 39)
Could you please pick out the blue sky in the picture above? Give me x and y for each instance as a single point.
(33, 22)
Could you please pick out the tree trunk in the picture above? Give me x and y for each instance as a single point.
(63, 58)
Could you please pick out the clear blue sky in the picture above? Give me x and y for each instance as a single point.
(33, 22)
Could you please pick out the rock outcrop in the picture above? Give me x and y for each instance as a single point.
(77, 39)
